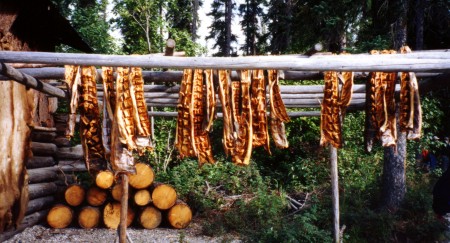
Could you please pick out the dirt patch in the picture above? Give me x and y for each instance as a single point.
(41, 233)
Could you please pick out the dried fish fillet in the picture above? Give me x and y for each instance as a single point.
(124, 113)
(141, 120)
(210, 100)
(90, 123)
(410, 108)
(199, 136)
(330, 120)
(242, 119)
(225, 100)
(278, 114)
(183, 137)
(260, 126)
(73, 80)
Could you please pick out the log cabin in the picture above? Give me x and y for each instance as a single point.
(27, 25)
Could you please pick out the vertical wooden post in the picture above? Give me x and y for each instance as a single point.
(335, 191)
(123, 210)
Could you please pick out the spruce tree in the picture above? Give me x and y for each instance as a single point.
(252, 13)
(222, 14)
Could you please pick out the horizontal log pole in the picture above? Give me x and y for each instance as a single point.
(43, 149)
(416, 61)
(40, 175)
(31, 82)
(28, 221)
(150, 95)
(41, 189)
(39, 204)
(161, 102)
(45, 137)
(40, 162)
(220, 115)
(176, 76)
(44, 129)
(76, 166)
(74, 153)
(285, 89)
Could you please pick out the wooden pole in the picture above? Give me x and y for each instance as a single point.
(335, 192)
(175, 76)
(415, 62)
(31, 82)
(123, 210)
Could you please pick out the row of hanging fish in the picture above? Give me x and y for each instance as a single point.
(381, 121)
(125, 125)
(243, 103)
(333, 107)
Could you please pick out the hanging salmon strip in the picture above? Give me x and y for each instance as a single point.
(200, 137)
(225, 100)
(141, 120)
(183, 141)
(330, 121)
(410, 108)
(73, 81)
(210, 100)
(388, 130)
(90, 124)
(123, 128)
(260, 126)
(278, 114)
(242, 119)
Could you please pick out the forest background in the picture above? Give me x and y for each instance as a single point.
(255, 202)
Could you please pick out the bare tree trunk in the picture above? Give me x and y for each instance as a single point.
(394, 180)
(228, 13)
(194, 20)
(418, 23)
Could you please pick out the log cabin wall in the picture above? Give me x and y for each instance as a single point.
(26, 118)
(14, 133)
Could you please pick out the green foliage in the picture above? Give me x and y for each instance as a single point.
(89, 19)
(183, 40)
(252, 13)
(211, 182)
(220, 25)
(141, 24)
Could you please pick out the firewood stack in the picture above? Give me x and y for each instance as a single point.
(150, 204)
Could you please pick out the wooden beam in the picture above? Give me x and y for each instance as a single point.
(31, 82)
(123, 210)
(43, 149)
(335, 192)
(437, 61)
(220, 115)
(175, 76)
(40, 162)
(41, 189)
(39, 204)
(40, 175)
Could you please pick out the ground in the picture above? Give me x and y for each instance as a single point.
(42, 233)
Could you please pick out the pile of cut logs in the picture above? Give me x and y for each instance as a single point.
(150, 204)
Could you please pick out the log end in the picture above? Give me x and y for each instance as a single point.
(179, 216)
(111, 215)
(96, 196)
(143, 178)
(142, 197)
(104, 179)
(74, 195)
(60, 216)
(164, 196)
(150, 217)
(89, 217)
